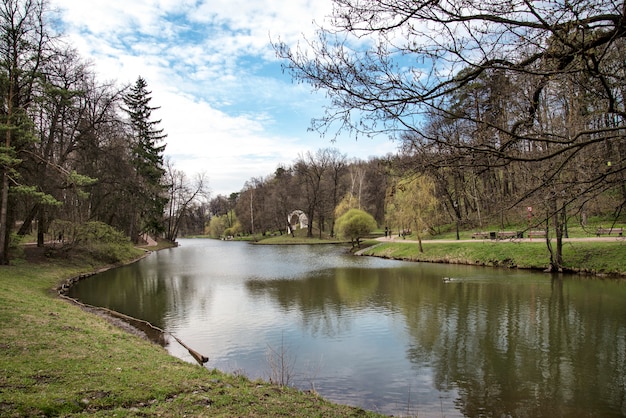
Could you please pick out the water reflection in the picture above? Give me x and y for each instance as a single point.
(388, 336)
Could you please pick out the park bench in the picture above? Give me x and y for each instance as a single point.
(609, 231)
(507, 234)
(480, 235)
(537, 234)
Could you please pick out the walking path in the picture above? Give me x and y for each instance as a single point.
(445, 241)
(151, 242)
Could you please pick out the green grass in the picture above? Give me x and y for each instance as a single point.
(299, 237)
(59, 360)
(588, 257)
(574, 229)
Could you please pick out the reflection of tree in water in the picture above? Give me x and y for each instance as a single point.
(143, 292)
(506, 348)
(520, 350)
(321, 300)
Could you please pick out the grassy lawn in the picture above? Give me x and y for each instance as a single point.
(59, 360)
(590, 257)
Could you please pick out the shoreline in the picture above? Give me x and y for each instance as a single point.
(110, 368)
(61, 360)
(135, 326)
(510, 261)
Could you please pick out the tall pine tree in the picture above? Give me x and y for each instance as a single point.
(149, 197)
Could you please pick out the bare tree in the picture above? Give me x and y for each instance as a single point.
(498, 68)
(337, 167)
(311, 169)
(182, 194)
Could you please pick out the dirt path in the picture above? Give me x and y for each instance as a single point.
(151, 242)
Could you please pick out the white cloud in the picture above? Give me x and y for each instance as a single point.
(230, 149)
(226, 106)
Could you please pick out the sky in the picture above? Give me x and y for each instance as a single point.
(227, 106)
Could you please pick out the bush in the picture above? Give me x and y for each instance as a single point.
(98, 240)
(355, 224)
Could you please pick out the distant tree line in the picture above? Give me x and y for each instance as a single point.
(505, 105)
(498, 107)
(505, 111)
(404, 193)
(316, 183)
(74, 149)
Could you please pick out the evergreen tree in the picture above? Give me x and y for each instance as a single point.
(24, 43)
(147, 160)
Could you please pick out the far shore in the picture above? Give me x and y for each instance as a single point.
(592, 256)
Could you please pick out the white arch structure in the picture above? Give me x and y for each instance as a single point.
(297, 217)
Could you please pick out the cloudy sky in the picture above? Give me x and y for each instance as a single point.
(225, 103)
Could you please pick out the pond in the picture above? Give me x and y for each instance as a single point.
(394, 337)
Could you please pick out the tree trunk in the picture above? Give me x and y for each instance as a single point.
(556, 257)
(4, 230)
(41, 227)
(28, 222)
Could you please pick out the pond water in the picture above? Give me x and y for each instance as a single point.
(394, 337)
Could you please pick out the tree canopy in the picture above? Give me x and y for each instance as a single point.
(146, 158)
(75, 150)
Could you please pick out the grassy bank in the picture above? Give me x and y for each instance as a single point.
(607, 258)
(59, 360)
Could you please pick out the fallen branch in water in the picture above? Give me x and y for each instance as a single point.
(201, 359)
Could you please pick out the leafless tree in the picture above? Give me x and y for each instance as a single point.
(497, 68)
(182, 195)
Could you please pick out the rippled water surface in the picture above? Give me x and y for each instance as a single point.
(385, 335)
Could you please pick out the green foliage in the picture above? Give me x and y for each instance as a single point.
(94, 239)
(76, 179)
(36, 195)
(7, 155)
(219, 225)
(233, 230)
(354, 224)
(348, 202)
(413, 203)
(146, 157)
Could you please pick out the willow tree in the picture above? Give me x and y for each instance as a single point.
(386, 65)
(412, 203)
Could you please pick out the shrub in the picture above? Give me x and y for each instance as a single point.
(355, 224)
(97, 240)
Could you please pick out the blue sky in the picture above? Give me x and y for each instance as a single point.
(225, 103)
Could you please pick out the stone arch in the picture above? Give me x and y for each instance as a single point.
(297, 218)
